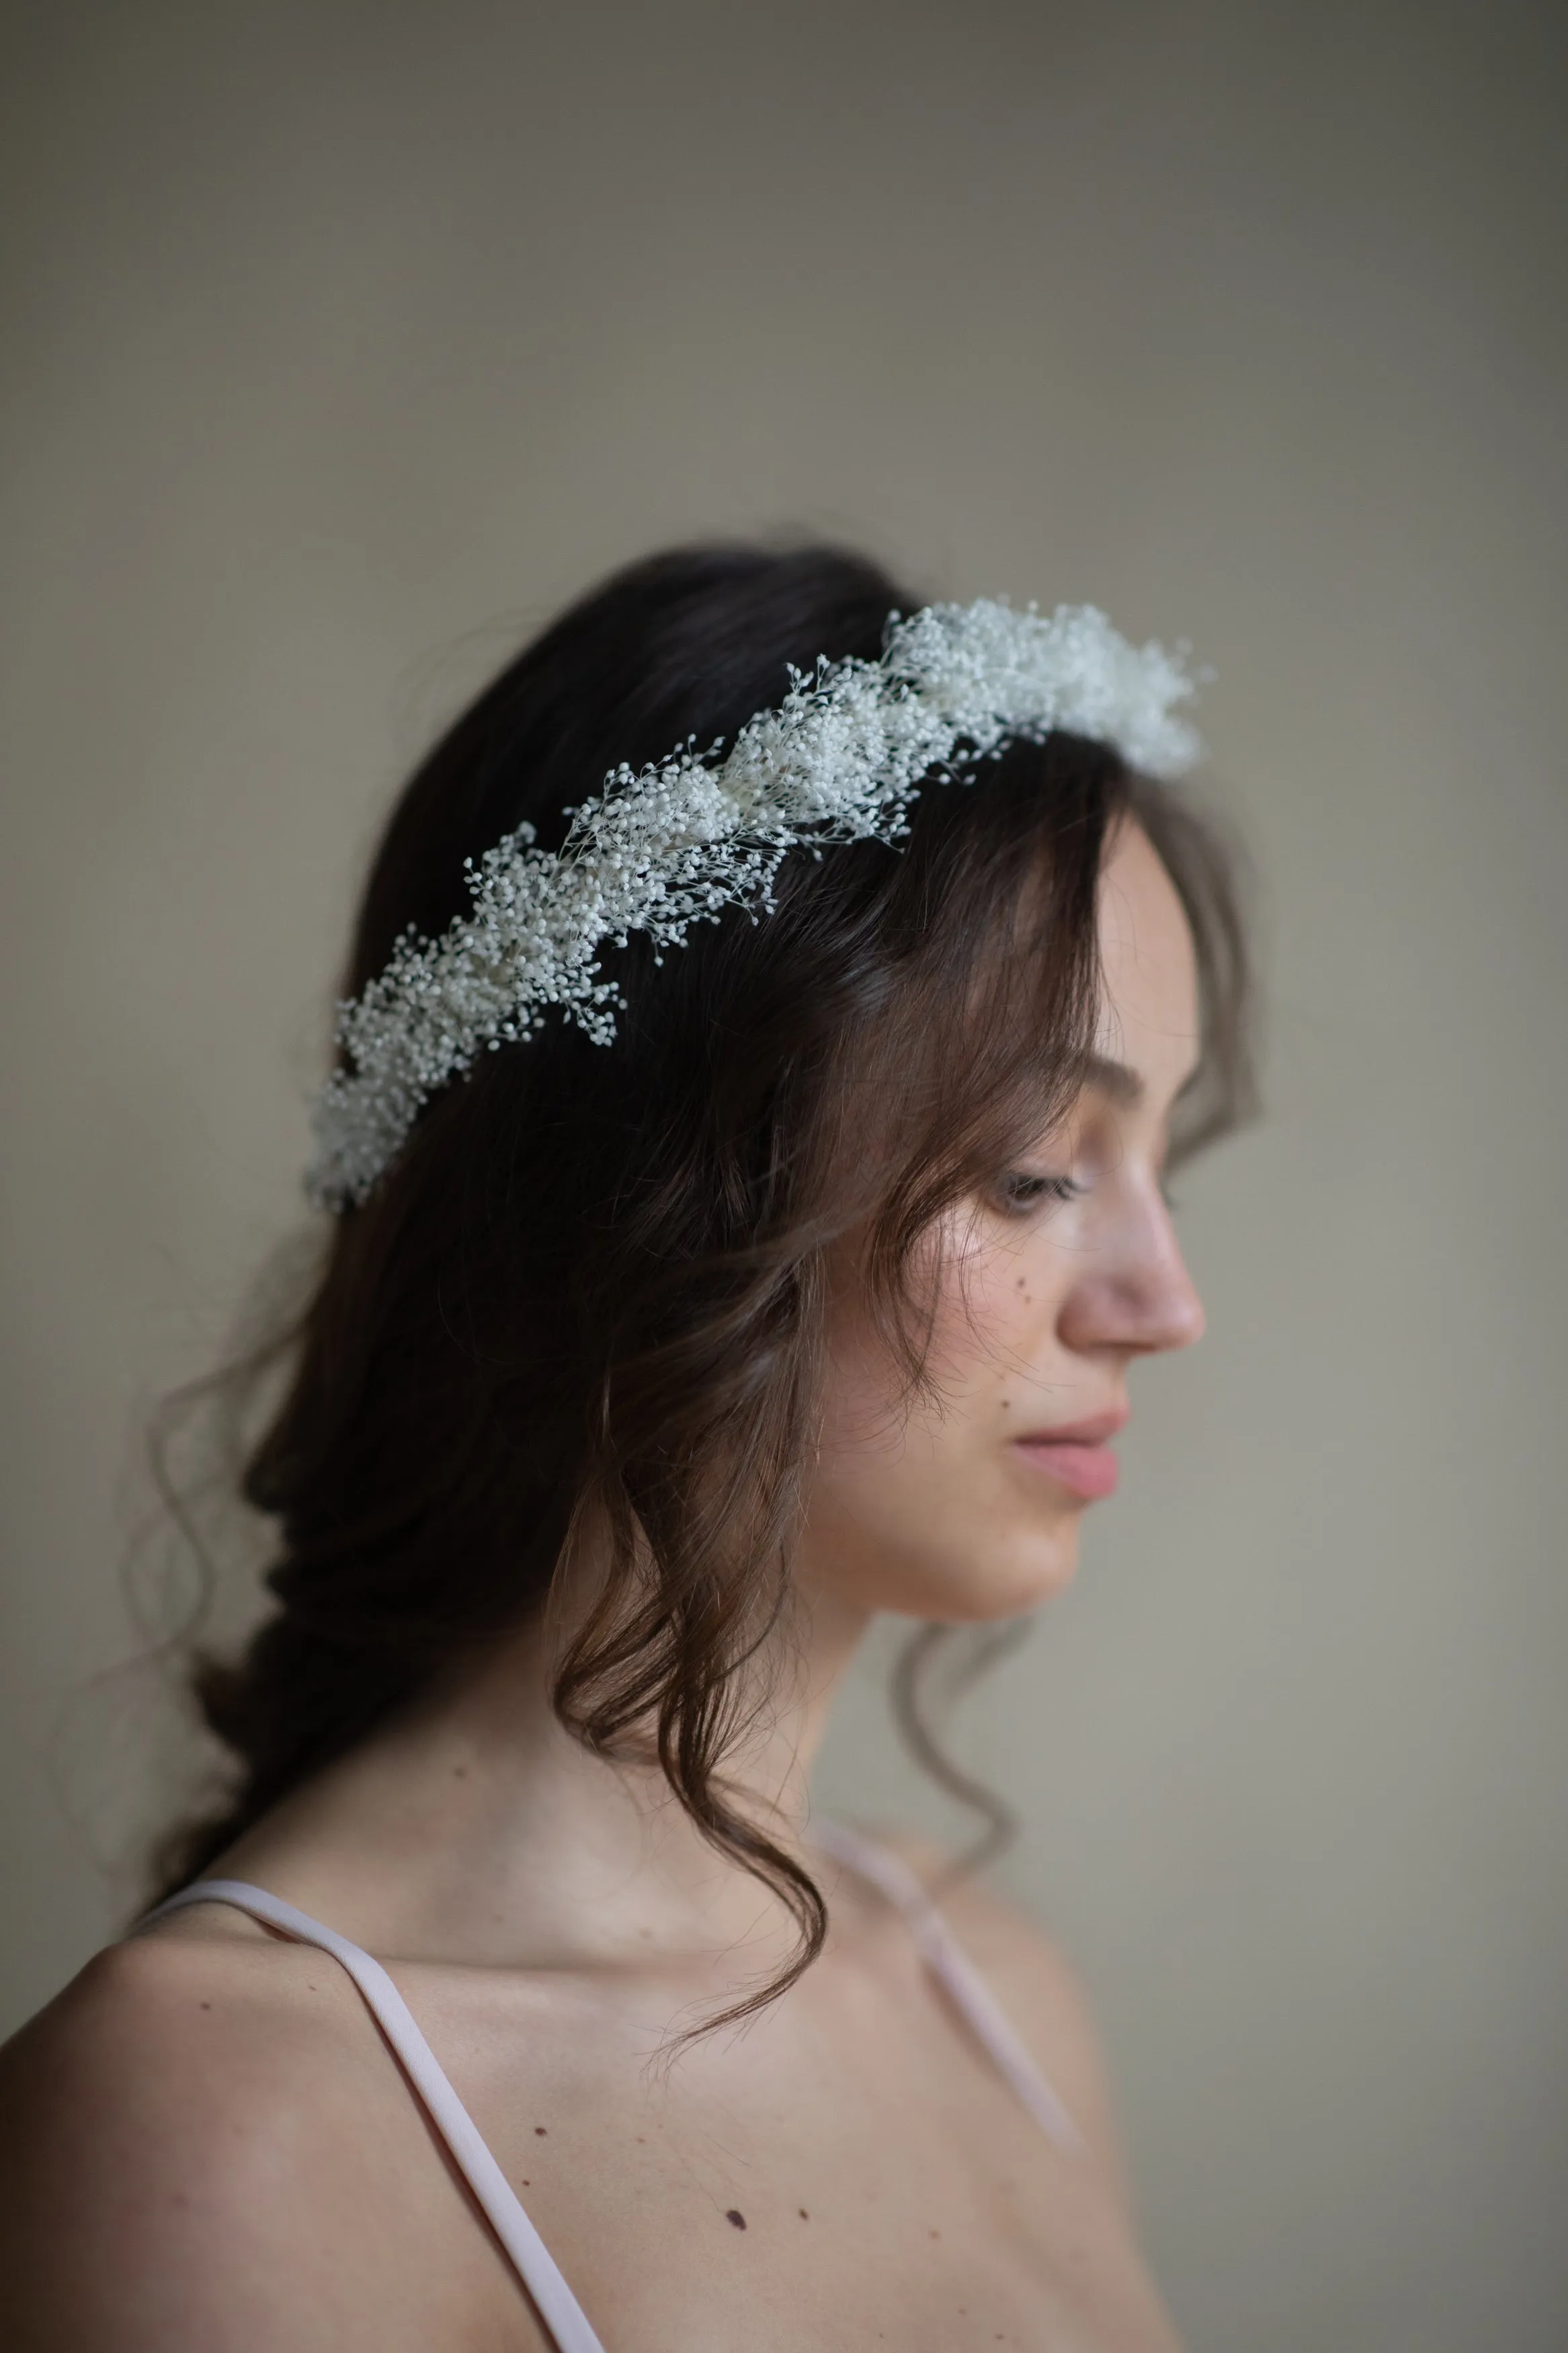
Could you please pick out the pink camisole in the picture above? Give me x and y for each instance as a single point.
(563, 2317)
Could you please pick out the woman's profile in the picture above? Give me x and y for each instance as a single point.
(772, 1010)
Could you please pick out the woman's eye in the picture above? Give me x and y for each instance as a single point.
(1020, 1191)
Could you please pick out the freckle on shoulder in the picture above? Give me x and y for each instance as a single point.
(160, 2042)
(187, 2105)
(174, 2116)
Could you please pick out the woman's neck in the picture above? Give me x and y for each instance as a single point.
(475, 1827)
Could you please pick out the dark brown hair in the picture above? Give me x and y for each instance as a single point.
(592, 1282)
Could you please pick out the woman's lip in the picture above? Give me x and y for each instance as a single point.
(1092, 1431)
(1076, 1453)
(1087, 1470)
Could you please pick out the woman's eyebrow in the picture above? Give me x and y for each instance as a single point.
(1121, 1084)
(1116, 1079)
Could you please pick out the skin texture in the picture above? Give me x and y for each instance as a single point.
(205, 2144)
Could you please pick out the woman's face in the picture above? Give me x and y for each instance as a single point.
(965, 1501)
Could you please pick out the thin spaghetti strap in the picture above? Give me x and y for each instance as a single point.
(557, 2306)
(946, 1958)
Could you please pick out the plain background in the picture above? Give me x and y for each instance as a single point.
(341, 343)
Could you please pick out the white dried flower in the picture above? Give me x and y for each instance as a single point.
(840, 761)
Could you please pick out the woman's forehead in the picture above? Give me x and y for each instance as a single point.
(1149, 1020)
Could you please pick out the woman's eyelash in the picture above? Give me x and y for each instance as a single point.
(1022, 1191)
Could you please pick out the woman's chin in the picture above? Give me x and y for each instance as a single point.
(987, 1586)
(990, 1561)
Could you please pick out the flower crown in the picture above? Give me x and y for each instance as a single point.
(656, 851)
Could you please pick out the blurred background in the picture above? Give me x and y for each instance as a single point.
(341, 343)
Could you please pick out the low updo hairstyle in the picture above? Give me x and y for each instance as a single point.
(590, 1289)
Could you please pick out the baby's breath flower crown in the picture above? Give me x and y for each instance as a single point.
(657, 852)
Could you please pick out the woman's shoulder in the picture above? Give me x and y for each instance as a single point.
(174, 2132)
(187, 2029)
(1038, 1984)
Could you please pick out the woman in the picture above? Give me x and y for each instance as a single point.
(748, 1193)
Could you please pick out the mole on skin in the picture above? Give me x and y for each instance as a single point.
(735, 2216)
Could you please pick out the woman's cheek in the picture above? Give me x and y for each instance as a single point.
(997, 1308)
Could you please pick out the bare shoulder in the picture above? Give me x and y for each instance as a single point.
(1038, 1985)
(173, 2135)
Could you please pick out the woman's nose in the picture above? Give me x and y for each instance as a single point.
(1134, 1291)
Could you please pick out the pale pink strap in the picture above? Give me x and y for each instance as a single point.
(557, 2306)
(971, 1996)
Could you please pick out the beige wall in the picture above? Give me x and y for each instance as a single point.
(345, 341)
